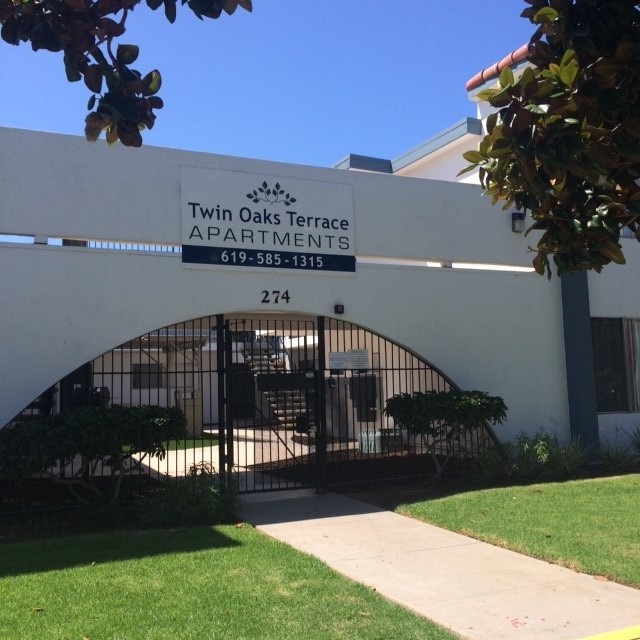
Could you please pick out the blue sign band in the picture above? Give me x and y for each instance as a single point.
(267, 259)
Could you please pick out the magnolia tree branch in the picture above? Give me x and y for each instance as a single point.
(564, 142)
(123, 101)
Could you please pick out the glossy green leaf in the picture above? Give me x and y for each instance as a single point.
(568, 57)
(111, 28)
(94, 124)
(71, 65)
(112, 134)
(506, 77)
(170, 10)
(485, 94)
(545, 15)
(500, 150)
(569, 73)
(127, 53)
(93, 78)
(467, 169)
(473, 156)
(121, 106)
(492, 121)
(10, 32)
(612, 251)
(129, 135)
(155, 102)
(152, 81)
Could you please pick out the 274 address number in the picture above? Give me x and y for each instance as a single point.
(275, 297)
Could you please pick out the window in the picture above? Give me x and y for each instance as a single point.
(616, 355)
(633, 367)
(147, 376)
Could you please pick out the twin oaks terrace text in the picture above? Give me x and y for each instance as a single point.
(260, 237)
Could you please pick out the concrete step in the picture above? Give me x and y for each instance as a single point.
(298, 408)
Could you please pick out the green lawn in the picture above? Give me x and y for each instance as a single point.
(223, 583)
(191, 443)
(589, 525)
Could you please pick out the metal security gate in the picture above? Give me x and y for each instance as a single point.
(304, 405)
(271, 401)
(362, 371)
(270, 383)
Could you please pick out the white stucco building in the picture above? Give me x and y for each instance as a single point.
(397, 248)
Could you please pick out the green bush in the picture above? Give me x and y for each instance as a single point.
(494, 468)
(565, 460)
(529, 455)
(634, 440)
(521, 460)
(618, 458)
(540, 457)
(116, 438)
(200, 497)
(439, 417)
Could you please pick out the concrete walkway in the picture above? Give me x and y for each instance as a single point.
(474, 589)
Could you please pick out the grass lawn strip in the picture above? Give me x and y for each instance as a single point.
(589, 525)
(202, 582)
(191, 443)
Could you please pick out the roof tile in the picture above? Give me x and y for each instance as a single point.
(494, 70)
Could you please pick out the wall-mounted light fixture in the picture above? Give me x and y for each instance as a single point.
(517, 221)
(338, 309)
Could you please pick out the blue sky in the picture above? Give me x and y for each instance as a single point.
(302, 81)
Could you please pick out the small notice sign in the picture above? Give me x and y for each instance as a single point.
(338, 360)
(350, 359)
(358, 358)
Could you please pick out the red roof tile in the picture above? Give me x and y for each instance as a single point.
(494, 70)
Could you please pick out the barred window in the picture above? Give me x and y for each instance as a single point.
(616, 354)
(147, 376)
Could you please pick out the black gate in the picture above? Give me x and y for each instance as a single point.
(304, 406)
(270, 383)
(271, 401)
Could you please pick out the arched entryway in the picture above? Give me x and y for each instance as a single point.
(273, 401)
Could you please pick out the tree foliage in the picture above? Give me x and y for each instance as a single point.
(77, 447)
(123, 100)
(564, 142)
(441, 417)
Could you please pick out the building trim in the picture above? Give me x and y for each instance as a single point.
(578, 346)
(471, 126)
(364, 163)
(453, 133)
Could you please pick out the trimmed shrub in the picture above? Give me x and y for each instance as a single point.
(116, 438)
(439, 417)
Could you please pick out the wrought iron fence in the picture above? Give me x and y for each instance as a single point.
(273, 402)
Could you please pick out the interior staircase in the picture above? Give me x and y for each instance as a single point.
(287, 405)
